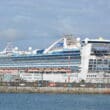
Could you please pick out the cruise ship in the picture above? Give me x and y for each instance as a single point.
(68, 59)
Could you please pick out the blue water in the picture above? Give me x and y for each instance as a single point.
(54, 102)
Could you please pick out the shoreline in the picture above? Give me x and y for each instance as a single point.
(56, 90)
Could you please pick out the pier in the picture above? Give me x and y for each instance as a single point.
(56, 90)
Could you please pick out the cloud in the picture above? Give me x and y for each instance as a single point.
(22, 18)
(9, 34)
(25, 19)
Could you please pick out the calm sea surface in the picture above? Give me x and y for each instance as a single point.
(54, 102)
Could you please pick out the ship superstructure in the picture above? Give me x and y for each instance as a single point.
(67, 60)
(59, 62)
(96, 60)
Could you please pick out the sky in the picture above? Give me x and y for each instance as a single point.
(38, 23)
